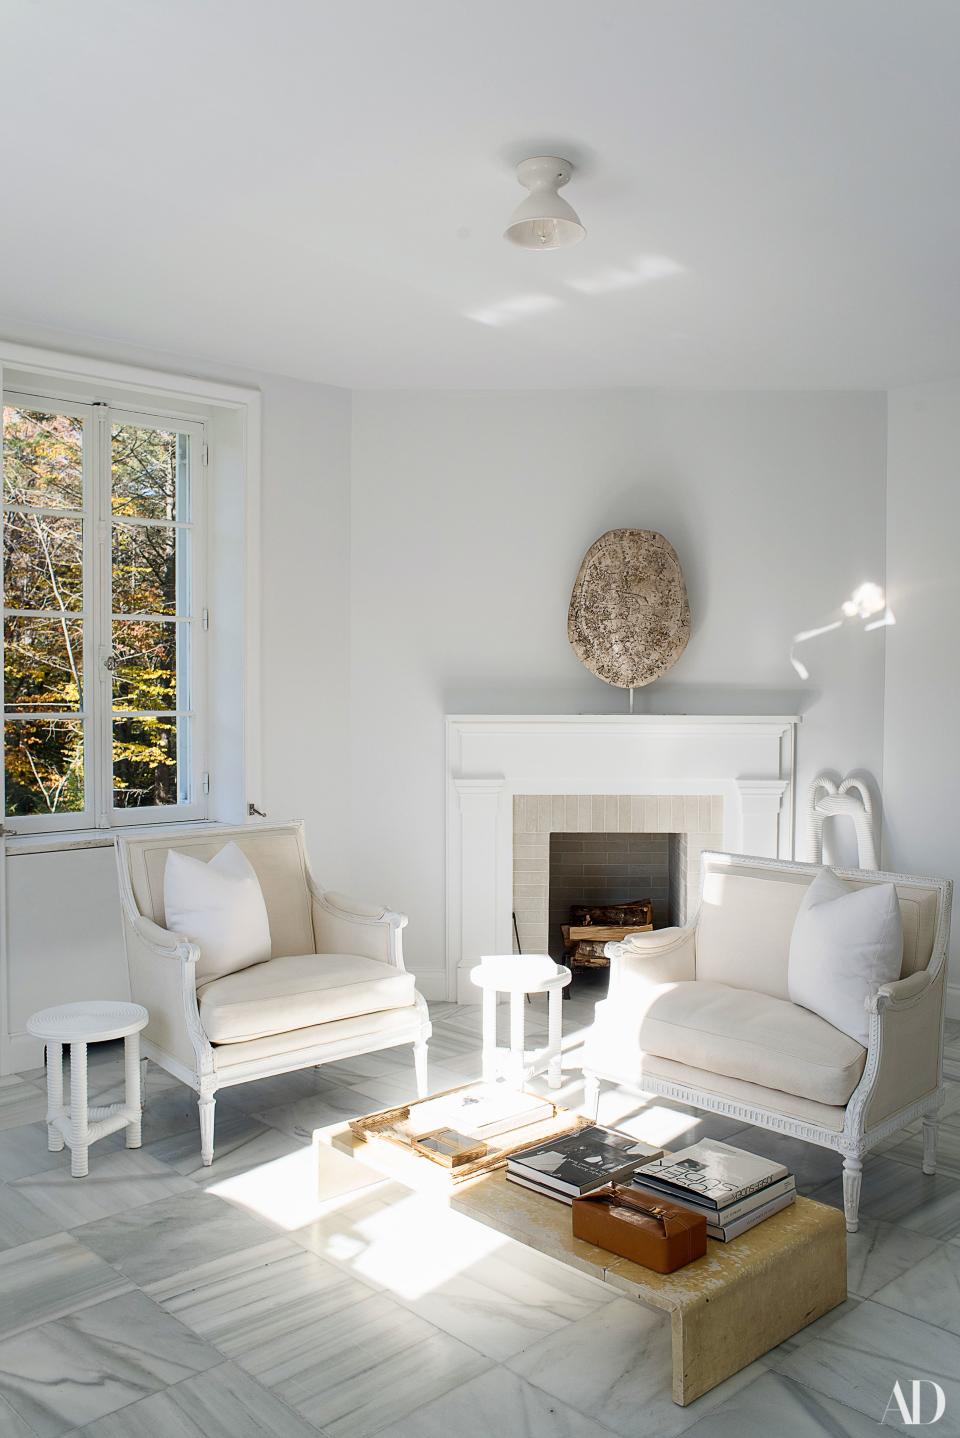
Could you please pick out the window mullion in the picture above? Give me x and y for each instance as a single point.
(101, 693)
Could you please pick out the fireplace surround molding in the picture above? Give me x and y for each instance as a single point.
(748, 762)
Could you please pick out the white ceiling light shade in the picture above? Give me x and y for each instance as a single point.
(544, 220)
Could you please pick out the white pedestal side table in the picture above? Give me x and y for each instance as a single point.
(90, 1022)
(519, 975)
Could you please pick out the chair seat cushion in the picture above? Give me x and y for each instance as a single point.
(297, 992)
(750, 1036)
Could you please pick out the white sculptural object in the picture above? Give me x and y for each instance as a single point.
(851, 798)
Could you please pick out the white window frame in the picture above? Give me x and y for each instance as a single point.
(97, 614)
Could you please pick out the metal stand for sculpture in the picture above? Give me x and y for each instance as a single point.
(850, 798)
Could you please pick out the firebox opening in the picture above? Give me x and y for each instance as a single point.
(610, 883)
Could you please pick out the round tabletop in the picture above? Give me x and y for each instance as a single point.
(520, 973)
(90, 1021)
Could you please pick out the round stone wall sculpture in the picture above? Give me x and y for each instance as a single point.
(629, 618)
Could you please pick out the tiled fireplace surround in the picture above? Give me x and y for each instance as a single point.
(696, 821)
(722, 781)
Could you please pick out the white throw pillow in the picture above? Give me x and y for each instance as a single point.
(220, 907)
(846, 943)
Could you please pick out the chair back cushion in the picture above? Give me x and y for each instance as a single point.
(276, 854)
(748, 911)
(220, 907)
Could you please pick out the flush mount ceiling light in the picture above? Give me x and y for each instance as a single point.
(544, 221)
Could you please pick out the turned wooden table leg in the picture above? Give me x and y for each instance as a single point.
(131, 1065)
(489, 1035)
(54, 1095)
(79, 1163)
(554, 1038)
(516, 1038)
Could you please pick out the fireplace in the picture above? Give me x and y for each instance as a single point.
(600, 848)
(699, 782)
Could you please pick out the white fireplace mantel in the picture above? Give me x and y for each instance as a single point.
(747, 760)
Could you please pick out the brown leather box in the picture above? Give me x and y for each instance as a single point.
(647, 1230)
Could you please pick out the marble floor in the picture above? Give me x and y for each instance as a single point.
(159, 1299)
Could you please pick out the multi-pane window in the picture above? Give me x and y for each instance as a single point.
(103, 617)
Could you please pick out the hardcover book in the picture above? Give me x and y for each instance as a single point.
(731, 1212)
(724, 1232)
(539, 1188)
(577, 1162)
(715, 1172)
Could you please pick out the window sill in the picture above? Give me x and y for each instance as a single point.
(53, 842)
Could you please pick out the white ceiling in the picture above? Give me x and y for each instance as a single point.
(770, 187)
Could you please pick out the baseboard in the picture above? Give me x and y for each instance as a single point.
(22, 1052)
(953, 1001)
(433, 985)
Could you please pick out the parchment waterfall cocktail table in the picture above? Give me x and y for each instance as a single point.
(89, 1022)
(726, 1309)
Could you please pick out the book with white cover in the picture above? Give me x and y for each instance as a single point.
(731, 1212)
(716, 1172)
(723, 1233)
(480, 1110)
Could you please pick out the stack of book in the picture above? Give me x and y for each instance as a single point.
(734, 1189)
(573, 1164)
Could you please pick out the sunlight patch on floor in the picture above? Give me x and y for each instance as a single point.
(298, 1188)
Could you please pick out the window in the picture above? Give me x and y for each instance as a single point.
(103, 615)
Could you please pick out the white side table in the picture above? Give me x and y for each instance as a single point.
(519, 975)
(93, 1021)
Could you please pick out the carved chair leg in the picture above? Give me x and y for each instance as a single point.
(591, 1095)
(420, 1066)
(930, 1143)
(207, 1104)
(852, 1178)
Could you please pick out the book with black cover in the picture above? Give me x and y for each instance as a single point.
(540, 1188)
(716, 1173)
(574, 1163)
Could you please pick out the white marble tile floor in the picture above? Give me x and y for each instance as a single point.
(159, 1299)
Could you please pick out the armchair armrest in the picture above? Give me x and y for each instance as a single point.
(342, 925)
(899, 991)
(168, 943)
(163, 977)
(664, 956)
(903, 1049)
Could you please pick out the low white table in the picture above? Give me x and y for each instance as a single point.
(519, 975)
(90, 1022)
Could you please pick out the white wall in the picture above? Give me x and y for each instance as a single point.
(470, 515)
(921, 764)
(305, 656)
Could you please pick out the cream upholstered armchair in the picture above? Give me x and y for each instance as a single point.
(334, 986)
(703, 1015)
